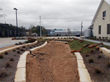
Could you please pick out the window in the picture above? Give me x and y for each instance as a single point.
(104, 14)
(100, 29)
(108, 28)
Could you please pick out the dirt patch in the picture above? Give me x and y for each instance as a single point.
(9, 61)
(97, 65)
(52, 63)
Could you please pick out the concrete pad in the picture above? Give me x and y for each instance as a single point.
(78, 56)
(21, 64)
(84, 75)
(80, 64)
(20, 75)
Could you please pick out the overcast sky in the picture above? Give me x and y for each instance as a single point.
(60, 14)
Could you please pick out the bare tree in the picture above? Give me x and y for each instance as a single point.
(69, 31)
(2, 15)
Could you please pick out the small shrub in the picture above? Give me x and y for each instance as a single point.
(24, 47)
(18, 48)
(18, 51)
(7, 64)
(14, 50)
(1, 56)
(11, 59)
(108, 65)
(87, 55)
(91, 61)
(6, 53)
(22, 50)
(99, 56)
(91, 51)
(98, 71)
(3, 74)
(16, 43)
(20, 43)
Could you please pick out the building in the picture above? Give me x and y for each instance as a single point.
(101, 20)
(62, 32)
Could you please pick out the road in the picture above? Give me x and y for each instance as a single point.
(7, 42)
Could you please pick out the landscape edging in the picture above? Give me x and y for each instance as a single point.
(83, 72)
(9, 49)
(105, 51)
(20, 75)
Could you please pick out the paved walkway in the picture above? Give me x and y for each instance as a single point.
(105, 43)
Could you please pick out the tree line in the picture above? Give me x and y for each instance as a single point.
(8, 30)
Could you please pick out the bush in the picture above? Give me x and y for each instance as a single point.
(18, 51)
(22, 50)
(3, 74)
(18, 48)
(92, 51)
(20, 43)
(108, 65)
(24, 47)
(91, 61)
(11, 59)
(14, 50)
(7, 64)
(31, 40)
(16, 43)
(98, 71)
(1, 56)
(87, 55)
(99, 56)
(6, 53)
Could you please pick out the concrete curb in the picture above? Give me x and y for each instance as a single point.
(38, 47)
(105, 51)
(83, 72)
(9, 49)
(20, 75)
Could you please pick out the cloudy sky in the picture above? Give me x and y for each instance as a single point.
(60, 14)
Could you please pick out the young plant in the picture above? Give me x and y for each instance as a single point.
(11, 59)
(87, 55)
(7, 64)
(3, 74)
(18, 52)
(91, 61)
(98, 71)
(6, 53)
(108, 65)
(92, 51)
(1, 56)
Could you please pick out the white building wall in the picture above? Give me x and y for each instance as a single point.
(99, 21)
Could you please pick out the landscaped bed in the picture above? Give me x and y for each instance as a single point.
(52, 63)
(97, 64)
(9, 61)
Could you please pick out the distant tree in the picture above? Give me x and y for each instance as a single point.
(69, 31)
(2, 15)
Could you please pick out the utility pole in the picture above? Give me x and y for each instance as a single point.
(40, 27)
(81, 27)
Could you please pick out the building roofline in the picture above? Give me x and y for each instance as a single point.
(97, 11)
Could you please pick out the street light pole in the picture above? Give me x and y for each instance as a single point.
(16, 17)
(81, 27)
(40, 27)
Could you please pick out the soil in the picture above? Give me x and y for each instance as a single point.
(7, 74)
(52, 63)
(100, 62)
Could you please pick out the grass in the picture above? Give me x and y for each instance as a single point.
(76, 45)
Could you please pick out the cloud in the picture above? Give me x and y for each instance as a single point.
(54, 13)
